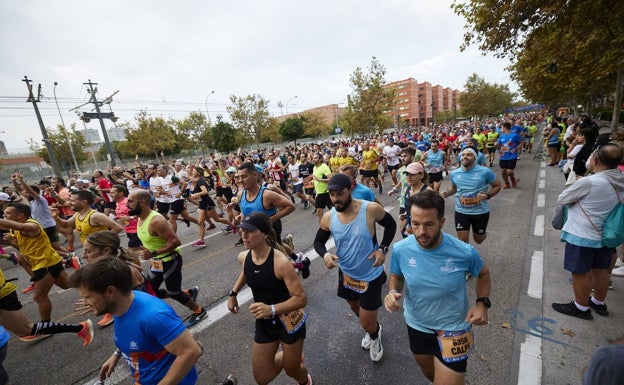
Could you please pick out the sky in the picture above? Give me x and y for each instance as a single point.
(167, 57)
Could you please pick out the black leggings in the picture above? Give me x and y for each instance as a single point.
(172, 276)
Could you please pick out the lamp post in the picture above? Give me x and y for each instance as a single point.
(71, 148)
(289, 100)
(206, 103)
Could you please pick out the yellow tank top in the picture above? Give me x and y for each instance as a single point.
(6, 288)
(84, 226)
(37, 249)
(369, 160)
(334, 164)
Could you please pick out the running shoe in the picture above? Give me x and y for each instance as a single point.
(75, 262)
(188, 223)
(306, 205)
(239, 243)
(571, 309)
(196, 317)
(29, 289)
(210, 226)
(234, 229)
(13, 258)
(366, 342)
(198, 243)
(230, 380)
(289, 241)
(107, 320)
(376, 348)
(34, 338)
(192, 292)
(514, 182)
(227, 229)
(618, 271)
(600, 309)
(86, 333)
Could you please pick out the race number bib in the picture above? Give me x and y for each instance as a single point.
(293, 321)
(156, 265)
(469, 201)
(354, 284)
(456, 345)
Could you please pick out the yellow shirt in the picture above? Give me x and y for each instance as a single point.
(84, 226)
(334, 164)
(37, 249)
(347, 160)
(369, 160)
(6, 288)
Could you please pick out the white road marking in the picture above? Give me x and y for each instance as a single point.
(530, 371)
(537, 274)
(542, 173)
(538, 230)
(541, 184)
(541, 200)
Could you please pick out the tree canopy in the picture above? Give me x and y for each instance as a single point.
(224, 136)
(561, 51)
(482, 99)
(58, 139)
(368, 101)
(250, 115)
(292, 129)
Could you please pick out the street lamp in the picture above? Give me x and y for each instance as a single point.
(289, 100)
(206, 102)
(71, 148)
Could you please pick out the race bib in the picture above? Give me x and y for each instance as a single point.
(293, 321)
(469, 201)
(456, 345)
(354, 284)
(156, 265)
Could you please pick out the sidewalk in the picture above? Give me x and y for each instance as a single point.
(568, 342)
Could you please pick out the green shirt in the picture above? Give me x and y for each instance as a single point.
(321, 172)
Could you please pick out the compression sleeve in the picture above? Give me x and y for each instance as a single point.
(322, 236)
(389, 225)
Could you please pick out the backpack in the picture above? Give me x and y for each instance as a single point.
(613, 229)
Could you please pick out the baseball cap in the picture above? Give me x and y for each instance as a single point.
(255, 221)
(338, 182)
(414, 168)
(4, 197)
(231, 169)
(259, 168)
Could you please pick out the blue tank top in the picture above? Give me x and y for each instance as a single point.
(435, 160)
(354, 244)
(248, 207)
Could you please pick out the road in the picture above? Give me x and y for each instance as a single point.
(523, 343)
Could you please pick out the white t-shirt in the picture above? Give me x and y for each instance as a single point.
(293, 171)
(392, 154)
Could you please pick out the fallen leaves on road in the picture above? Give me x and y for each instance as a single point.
(568, 332)
(506, 325)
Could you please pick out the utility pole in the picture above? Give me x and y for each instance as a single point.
(44, 133)
(109, 148)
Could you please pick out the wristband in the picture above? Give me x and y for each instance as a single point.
(272, 310)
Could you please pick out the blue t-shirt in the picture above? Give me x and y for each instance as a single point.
(141, 334)
(435, 161)
(4, 337)
(509, 143)
(362, 192)
(435, 285)
(421, 145)
(469, 184)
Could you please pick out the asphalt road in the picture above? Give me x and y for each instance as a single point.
(523, 344)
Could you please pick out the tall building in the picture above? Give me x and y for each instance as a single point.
(417, 103)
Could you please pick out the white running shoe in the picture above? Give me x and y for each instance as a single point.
(618, 271)
(376, 348)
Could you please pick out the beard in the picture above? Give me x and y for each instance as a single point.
(344, 206)
(428, 243)
(135, 211)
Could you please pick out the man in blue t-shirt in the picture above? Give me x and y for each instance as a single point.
(509, 146)
(431, 266)
(474, 186)
(148, 333)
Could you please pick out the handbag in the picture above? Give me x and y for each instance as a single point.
(560, 217)
(613, 228)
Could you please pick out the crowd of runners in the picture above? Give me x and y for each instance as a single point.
(248, 193)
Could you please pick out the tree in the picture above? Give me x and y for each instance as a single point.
(482, 99)
(151, 136)
(315, 125)
(588, 35)
(370, 99)
(250, 115)
(193, 131)
(292, 129)
(224, 137)
(58, 140)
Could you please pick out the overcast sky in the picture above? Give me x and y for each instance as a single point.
(167, 57)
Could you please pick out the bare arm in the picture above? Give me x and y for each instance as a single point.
(478, 315)
(99, 219)
(187, 352)
(395, 286)
(284, 206)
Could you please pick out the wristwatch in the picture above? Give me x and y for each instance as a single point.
(383, 249)
(485, 301)
(232, 293)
